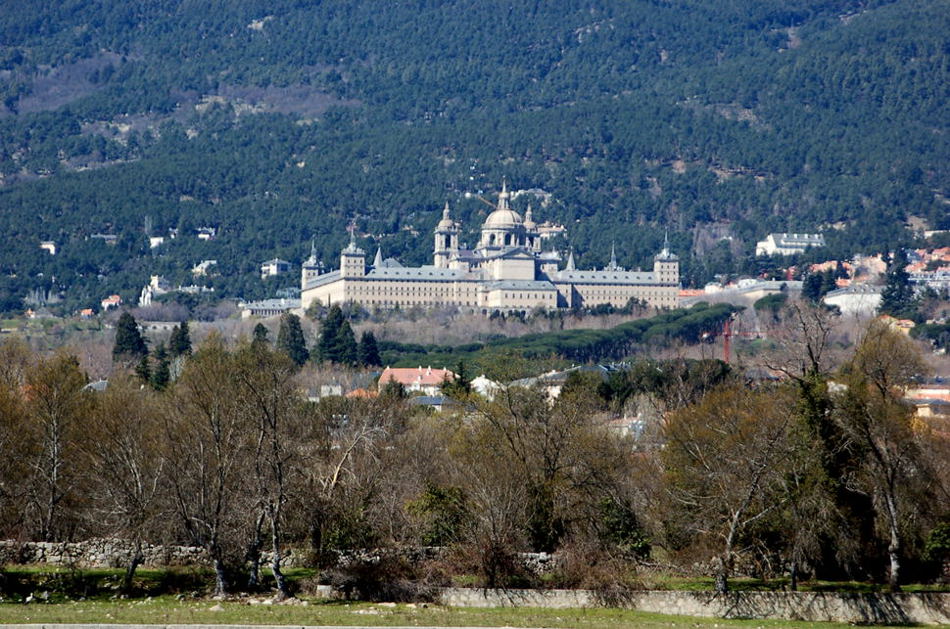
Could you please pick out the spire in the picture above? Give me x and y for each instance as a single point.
(613, 257)
(570, 262)
(528, 218)
(503, 195)
(312, 260)
(378, 260)
(445, 212)
(666, 242)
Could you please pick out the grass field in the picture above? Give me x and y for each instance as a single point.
(173, 610)
(179, 596)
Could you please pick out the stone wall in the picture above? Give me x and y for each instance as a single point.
(96, 553)
(879, 608)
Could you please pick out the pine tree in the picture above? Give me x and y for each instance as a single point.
(461, 385)
(811, 287)
(346, 349)
(162, 375)
(179, 344)
(129, 343)
(260, 336)
(897, 298)
(329, 331)
(290, 339)
(143, 370)
(369, 350)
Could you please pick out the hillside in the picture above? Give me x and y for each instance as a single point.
(278, 121)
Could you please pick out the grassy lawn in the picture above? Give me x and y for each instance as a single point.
(172, 610)
(178, 596)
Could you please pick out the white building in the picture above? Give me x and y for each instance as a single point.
(858, 299)
(274, 267)
(48, 246)
(506, 271)
(268, 307)
(788, 244)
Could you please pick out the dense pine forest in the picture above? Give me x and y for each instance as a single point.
(278, 121)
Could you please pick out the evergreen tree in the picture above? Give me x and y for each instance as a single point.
(897, 298)
(329, 331)
(369, 351)
(179, 344)
(461, 385)
(346, 349)
(162, 375)
(143, 370)
(811, 287)
(828, 283)
(260, 336)
(128, 340)
(290, 339)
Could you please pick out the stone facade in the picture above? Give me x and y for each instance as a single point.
(506, 271)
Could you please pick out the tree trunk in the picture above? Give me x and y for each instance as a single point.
(722, 574)
(894, 546)
(134, 562)
(794, 576)
(283, 591)
(220, 578)
(254, 555)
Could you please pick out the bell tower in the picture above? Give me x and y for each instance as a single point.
(446, 240)
(352, 258)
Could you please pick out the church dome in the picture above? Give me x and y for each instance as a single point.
(502, 218)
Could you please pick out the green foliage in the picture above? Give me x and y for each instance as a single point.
(591, 103)
(937, 547)
(619, 527)
(443, 511)
(179, 344)
(290, 339)
(161, 376)
(368, 351)
(129, 343)
(337, 343)
(897, 298)
(578, 346)
(260, 335)
(937, 333)
(772, 304)
(460, 386)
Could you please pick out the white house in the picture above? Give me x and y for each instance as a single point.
(274, 267)
(788, 244)
(857, 299)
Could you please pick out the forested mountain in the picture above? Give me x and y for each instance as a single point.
(277, 121)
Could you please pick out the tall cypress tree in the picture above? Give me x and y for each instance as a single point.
(329, 333)
(290, 339)
(897, 298)
(179, 344)
(346, 350)
(162, 375)
(129, 343)
(369, 351)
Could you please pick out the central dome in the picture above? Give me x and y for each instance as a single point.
(503, 218)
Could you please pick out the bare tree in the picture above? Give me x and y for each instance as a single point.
(268, 394)
(879, 425)
(56, 403)
(207, 436)
(723, 462)
(125, 465)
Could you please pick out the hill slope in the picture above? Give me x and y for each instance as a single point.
(278, 121)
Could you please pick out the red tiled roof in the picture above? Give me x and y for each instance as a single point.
(408, 376)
